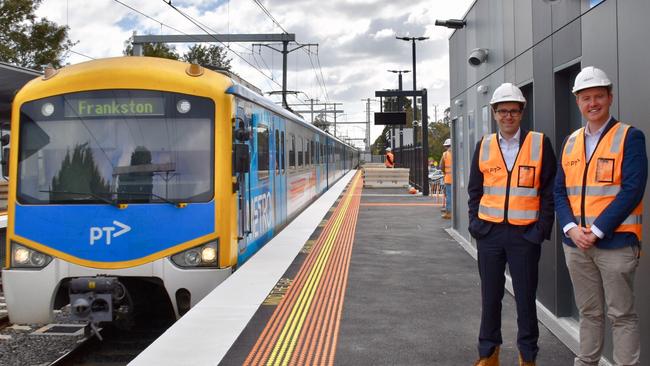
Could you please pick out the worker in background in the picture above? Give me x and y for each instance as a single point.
(510, 214)
(390, 159)
(446, 166)
(599, 187)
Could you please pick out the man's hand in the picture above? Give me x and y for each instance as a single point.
(583, 238)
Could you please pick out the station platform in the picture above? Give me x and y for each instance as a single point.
(379, 282)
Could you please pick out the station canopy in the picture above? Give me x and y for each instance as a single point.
(12, 78)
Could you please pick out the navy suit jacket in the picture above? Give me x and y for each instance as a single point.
(634, 177)
(535, 232)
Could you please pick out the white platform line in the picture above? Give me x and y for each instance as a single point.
(205, 334)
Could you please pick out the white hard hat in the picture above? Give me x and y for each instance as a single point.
(389, 149)
(507, 92)
(590, 77)
(447, 142)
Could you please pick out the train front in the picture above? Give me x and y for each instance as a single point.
(114, 204)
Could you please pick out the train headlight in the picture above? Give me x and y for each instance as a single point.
(203, 256)
(183, 106)
(192, 257)
(47, 109)
(209, 254)
(24, 257)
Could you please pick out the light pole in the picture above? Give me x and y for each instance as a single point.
(425, 132)
(399, 109)
(412, 40)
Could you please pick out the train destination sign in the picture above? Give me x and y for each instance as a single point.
(114, 107)
(390, 118)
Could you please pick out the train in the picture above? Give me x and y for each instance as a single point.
(139, 180)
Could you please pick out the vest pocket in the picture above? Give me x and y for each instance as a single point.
(605, 170)
(526, 176)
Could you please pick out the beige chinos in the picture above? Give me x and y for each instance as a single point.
(599, 277)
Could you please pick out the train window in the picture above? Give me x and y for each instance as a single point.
(292, 152)
(316, 145)
(300, 155)
(307, 154)
(277, 152)
(282, 160)
(311, 145)
(262, 151)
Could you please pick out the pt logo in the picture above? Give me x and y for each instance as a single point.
(107, 232)
(494, 170)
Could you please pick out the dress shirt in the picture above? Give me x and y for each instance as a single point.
(591, 140)
(509, 148)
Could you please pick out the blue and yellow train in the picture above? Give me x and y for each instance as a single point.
(137, 178)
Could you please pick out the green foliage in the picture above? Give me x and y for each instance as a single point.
(78, 173)
(30, 42)
(319, 122)
(380, 143)
(212, 56)
(438, 133)
(161, 50)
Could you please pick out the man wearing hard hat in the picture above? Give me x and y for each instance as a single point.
(510, 214)
(445, 166)
(390, 159)
(599, 187)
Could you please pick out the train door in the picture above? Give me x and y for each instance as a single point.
(243, 148)
(280, 172)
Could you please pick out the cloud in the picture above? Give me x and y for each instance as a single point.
(356, 41)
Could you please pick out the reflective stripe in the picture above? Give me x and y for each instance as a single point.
(574, 191)
(630, 220)
(570, 142)
(514, 191)
(512, 214)
(594, 190)
(523, 214)
(496, 191)
(486, 147)
(494, 212)
(523, 192)
(616, 143)
(536, 146)
(633, 220)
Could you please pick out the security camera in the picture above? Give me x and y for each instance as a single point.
(477, 56)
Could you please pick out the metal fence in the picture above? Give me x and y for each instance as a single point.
(410, 157)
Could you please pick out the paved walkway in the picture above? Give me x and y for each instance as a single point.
(411, 295)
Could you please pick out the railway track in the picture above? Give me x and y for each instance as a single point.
(118, 347)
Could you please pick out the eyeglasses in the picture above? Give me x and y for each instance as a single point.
(512, 112)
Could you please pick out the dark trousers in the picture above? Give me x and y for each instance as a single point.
(505, 244)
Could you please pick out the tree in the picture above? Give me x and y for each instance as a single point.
(161, 50)
(30, 42)
(438, 133)
(213, 55)
(377, 148)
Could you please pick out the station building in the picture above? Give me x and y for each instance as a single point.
(540, 46)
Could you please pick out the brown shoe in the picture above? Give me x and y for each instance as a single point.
(493, 360)
(525, 363)
(446, 216)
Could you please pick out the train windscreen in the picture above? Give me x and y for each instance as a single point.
(116, 146)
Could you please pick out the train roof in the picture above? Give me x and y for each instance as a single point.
(247, 94)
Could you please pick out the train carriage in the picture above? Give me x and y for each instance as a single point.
(137, 178)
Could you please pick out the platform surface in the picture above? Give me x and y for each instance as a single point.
(379, 282)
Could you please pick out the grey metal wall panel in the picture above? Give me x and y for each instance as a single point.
(567, 44)
(634, 82)
(524, 67)
(544, 119)
(563, 12)
(523, 31)
(454, 65)
(599, 42)
(541, 20)
(508, 34)
(510, 71)
(492, 33)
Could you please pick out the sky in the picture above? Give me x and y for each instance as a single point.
(356, 43)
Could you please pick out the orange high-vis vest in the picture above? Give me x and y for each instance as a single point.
(511, 196)
(390, 160)
(592, 185)
(446, 159)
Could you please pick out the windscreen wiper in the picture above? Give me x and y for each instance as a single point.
(91, 194)
(177, 204)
